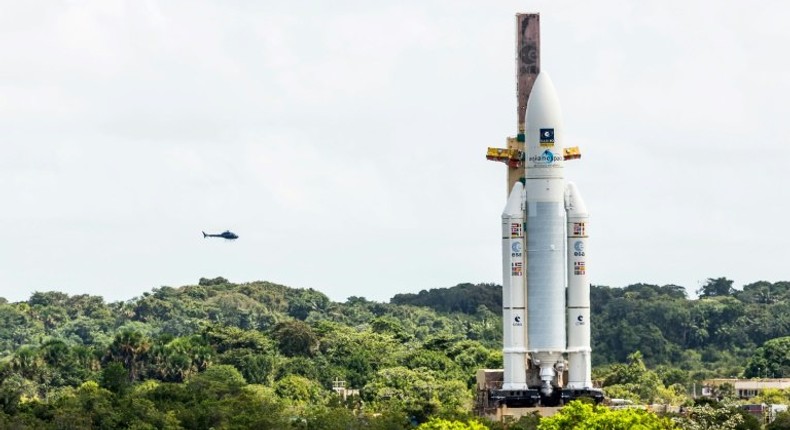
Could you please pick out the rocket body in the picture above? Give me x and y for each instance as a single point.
(545, 195)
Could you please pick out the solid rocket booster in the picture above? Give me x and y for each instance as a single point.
(514, 349)
(579, 363)
(545, 222)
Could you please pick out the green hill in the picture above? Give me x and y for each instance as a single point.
(216, 354)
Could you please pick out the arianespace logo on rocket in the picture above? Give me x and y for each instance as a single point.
(547, 157)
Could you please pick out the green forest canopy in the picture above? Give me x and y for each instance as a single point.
(199, 356)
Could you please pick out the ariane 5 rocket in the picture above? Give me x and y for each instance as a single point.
(546, 289)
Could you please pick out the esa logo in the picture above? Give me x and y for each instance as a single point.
(546, 137)
(578, 249)
(517, 321)
(579, 320)
(516, 248)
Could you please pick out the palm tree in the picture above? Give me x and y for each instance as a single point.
(130, 347)
(26, 361)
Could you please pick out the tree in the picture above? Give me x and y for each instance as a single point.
(773, 396)
(49, 298)
(300, 390)
(358, 353)
(433, 360)
(417, 392)
(671, 375)
(94, 402)
(27, 362)
(306, 301)
(219, 280)
(181, 357)
(115, 378)
(256, 367)
(295, 338)
(442, 424)
(13, 388)
(633, 378)
(224, 338)
(748, 421)
(330, 418)
(772, 360)
(716, 287)
(525, 422)
(708, 417)
(758, 292)
(253, 410)
(388, 324)
(216, 382)
(129, 347)
(581, 415)
(781, 422)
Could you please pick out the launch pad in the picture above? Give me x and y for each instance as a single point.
(490, 395)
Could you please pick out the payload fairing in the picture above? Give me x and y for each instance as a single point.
(544, 243)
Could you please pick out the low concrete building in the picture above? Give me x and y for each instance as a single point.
(745, 388)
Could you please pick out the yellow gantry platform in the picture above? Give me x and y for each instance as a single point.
(571, 153)
(511, 157)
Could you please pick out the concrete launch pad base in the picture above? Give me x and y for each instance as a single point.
(594, 394)
(516, 398)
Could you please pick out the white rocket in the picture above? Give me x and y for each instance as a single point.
(544, 251)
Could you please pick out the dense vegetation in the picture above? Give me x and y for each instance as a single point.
(261, 355)
(720, 330)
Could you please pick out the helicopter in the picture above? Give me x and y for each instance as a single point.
(227, 234)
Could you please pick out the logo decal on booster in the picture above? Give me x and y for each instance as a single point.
(578, 249)
(516, 248)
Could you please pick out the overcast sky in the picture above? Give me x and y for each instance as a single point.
(345, 141)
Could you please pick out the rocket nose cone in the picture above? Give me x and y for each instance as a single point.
(544, 144)
(543, 105)
(574, 202)
(513, 205)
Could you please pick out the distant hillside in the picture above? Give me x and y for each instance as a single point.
(216, 354)
(213, 355)
(466, 298)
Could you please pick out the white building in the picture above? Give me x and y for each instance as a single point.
(745, 388)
